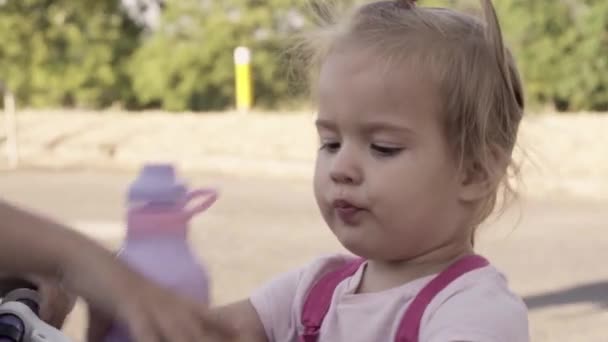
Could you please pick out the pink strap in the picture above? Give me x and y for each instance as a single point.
(409, 327)
(318, 300)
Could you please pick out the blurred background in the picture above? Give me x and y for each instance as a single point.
(94, 89)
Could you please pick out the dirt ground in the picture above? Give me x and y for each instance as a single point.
(561, 155)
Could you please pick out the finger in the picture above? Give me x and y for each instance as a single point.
(178, 319)
(48, 303)
(56, 305)
(191, 328)
(178, 325)
(217, 324)
(45, 305)
(143, 329)
(200, 329)
(98, 325)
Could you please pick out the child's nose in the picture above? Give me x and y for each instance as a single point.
(345, 167)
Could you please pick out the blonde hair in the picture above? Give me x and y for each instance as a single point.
(476, 74)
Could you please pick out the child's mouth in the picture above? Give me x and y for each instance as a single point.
(347, 212)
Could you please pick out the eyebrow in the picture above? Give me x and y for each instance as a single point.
(379, 126)
(321, 123)
(369, 127)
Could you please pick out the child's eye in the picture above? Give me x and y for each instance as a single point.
(330, 146)
(386, 151)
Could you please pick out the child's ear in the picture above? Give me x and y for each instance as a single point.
(476, 182)
(480, 177)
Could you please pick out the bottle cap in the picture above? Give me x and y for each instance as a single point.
(157, 183)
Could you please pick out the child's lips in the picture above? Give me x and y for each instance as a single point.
(346, 211)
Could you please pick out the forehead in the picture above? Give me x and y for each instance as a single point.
(361, 87)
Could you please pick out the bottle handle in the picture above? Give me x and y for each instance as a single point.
(208, 196)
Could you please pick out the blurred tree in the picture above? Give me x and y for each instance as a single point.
(65, 52)
(94, 53)
(562, 48)
(187, 63)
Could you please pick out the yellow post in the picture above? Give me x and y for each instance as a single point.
(243, 82)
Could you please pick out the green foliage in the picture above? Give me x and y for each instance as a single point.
(562, 48)
(188, 62)
(87, 53)
(65, 52)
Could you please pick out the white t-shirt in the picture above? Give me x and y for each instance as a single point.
(476, 307)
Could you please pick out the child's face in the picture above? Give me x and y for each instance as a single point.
(385, 179)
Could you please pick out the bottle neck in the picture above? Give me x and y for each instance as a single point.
(169, 234)
(163, 247)
(158, 221)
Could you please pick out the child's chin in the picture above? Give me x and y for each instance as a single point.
(357, 246)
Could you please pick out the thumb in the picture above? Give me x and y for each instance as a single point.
(55, 304)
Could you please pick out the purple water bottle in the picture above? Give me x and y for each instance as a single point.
(160, 208)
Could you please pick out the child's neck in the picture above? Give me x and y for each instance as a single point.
(382, 275)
